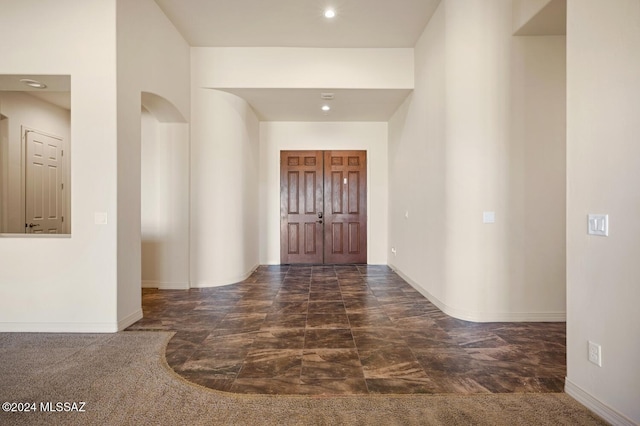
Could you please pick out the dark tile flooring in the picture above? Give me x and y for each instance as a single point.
(345, 330)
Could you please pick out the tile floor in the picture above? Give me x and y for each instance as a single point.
(345, 330)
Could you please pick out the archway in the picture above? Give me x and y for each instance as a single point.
(164, 194)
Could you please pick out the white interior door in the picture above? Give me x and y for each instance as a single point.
(43, 183)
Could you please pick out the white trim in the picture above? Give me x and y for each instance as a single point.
(225, 282)
(58, 327)
(130, 319)
(165, 285)
(484, 316)
(3, 235)
(70, 327)
(595, 405)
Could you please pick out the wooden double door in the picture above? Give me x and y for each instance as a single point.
(323, 207)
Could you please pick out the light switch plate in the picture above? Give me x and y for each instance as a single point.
(100, 218)
(488, 217)
(598, 225)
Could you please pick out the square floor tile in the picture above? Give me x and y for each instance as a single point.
(271, 363)
(330, 364)
(328, 339)
(339, 321)
(284, 338)
(278, 320)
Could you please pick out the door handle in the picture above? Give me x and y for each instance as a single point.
(33, 225)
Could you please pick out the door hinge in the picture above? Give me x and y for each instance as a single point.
(62, 218)
(62, 186)
(62, 152)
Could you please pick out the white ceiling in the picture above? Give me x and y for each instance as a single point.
(300, 23)
(57, 92)
(550, 20)
(306, 104)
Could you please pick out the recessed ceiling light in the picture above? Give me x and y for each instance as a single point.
(33, 83)
(329, 13)
(326, 108)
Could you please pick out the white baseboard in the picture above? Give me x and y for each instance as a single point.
(58, 327)
(165, 285)
(226, 281)
(483, 316)
(130, 319)
(595, 405)
(70, 327)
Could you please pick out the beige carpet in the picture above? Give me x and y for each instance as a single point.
(124, 379)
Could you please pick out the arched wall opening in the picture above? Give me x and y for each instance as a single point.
(164, 195)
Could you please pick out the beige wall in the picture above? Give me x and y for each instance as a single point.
(165, 203)
(537, 174)
(603, 176)
(483, 131)
(477, 61)
(278, 136)
(417, 172)
(224, 188)
(152, 57)
(73, 287)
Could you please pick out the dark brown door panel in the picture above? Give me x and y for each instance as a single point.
(323, 204)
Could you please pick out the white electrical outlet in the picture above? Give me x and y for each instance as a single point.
(394, 251)
(595, 353)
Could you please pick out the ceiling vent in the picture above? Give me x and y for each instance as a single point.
(326, 96)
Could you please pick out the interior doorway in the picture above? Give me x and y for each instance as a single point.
(323, 207)
(43, 182)
(164, 192)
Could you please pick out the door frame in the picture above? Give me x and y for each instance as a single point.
(363, 203)
(24, 131)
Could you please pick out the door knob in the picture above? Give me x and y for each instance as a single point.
(33, 225)
(319, 221)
